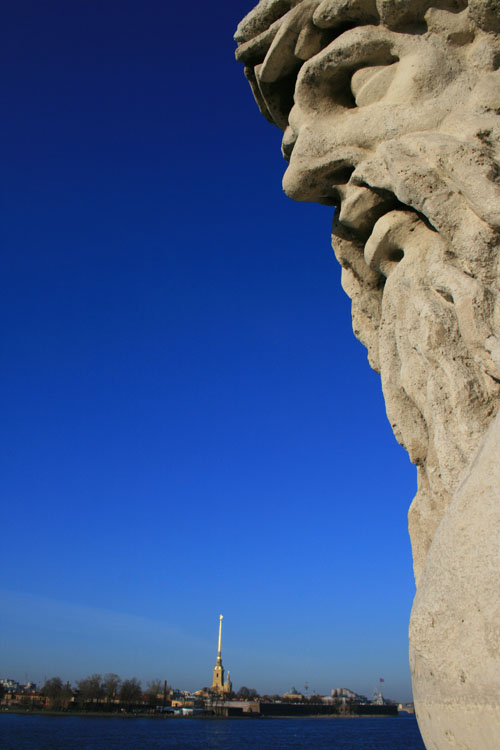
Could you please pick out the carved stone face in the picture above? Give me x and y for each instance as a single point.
(390, 111)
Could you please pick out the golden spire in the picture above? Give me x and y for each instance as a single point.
(219, 653)
(218, 679)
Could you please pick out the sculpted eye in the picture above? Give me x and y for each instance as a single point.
(370, 84)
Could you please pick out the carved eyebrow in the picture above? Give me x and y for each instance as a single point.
(257, 30)
(330, 13)
(278, 36)
(321, 19)
(260, 18)
(254, 50)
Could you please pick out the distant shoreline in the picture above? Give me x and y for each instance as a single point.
(205, 717)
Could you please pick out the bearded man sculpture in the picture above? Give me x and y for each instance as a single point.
(390, 112)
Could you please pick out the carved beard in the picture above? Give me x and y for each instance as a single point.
(425, 304)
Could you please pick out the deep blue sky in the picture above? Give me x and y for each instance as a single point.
(189, 426)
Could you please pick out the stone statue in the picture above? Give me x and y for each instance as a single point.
(390, 112)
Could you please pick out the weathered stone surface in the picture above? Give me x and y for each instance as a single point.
(455, 624)
(390, 111)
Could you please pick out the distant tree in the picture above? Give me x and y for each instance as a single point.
(111, 685)
(130, 691)
(2, 691)
(52, 688)
(91, 688)
(345, 708)
(57, 693)
(245, 693)
(272, 698)
(315, 698)
(67, 694)
(153, 690)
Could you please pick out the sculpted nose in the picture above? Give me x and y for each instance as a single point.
(319, 170)
(321, 182)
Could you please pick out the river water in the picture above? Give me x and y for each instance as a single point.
(35, 732)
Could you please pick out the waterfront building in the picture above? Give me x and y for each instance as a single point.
(293, 695)
(343, 695)
(9, 684)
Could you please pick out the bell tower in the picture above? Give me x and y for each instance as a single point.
(218, 679)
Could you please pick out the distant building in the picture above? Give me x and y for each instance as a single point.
(9, 684)
(343, 695)
(293, 695)
(220, 686)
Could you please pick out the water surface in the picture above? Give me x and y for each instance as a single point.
(33, 732)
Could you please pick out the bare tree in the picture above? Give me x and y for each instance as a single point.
(131, 691)
(57, 693)
(111, 685)
(247, 693)
(91, 688)
(153, 690)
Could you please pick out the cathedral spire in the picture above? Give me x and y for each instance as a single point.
(219, 653)
(218, 680)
